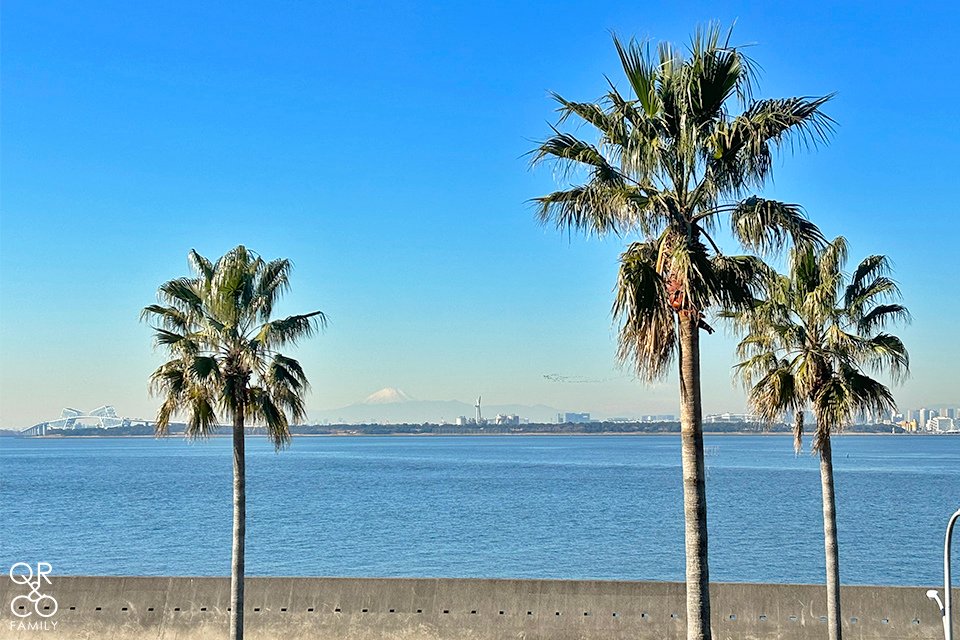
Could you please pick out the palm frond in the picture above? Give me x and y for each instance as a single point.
(175, 342)
(641, 70)
(291, 329)
(716, 72)
(774, 394)
(205, 369)
(870, 285)
(286, 372)
(172, 318)
(567, 148)
(764, 225)
(870, 268)
(647, 326)
(200, 265)
(613, 128)
(594, 208)
(734, 281)
(264, 409)
(886, 353)
(742, 148)
(273, 280)
(201, 415)
(880, 316)
(182, 293)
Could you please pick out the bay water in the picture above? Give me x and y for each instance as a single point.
(575, 507)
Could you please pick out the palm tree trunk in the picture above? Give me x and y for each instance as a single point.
(694, 482)
(830, 539)
(239, 528)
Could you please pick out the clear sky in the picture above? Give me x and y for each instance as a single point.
(379, 145)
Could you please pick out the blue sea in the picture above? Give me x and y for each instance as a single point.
(589, 507)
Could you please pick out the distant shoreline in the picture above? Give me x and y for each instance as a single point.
(472, 435)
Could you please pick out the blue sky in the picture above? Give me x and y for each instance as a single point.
(380, 147)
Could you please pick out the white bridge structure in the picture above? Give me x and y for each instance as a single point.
(104, 417)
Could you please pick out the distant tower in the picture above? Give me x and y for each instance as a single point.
(479, 418)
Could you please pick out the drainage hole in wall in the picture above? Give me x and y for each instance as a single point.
(176, 608)
(501, 613)
(733, 616)
(283, 609)
(256, 608)
(148, 608)
(393, 610)
(337, 610)
(20, 607)
(673, 616)
(793, 618)
(474, 611)
(885, 621)
(823, 619)
(854, 620)
(99, 608)
(763, 618)
(363, 610)
(123, 608)
(446, 610)
(73, 608)
(529, 613)
(586, 613)
(614, 614)
(309, 609)
(201, 609)
(419, 610)
(916, 621)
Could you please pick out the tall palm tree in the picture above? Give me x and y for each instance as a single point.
(224, 361)
(809, 343)
(669, 161)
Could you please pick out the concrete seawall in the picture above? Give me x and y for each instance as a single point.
(117, 608)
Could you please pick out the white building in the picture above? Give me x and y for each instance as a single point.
(940, 424)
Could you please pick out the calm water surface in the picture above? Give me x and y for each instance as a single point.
(604, 507)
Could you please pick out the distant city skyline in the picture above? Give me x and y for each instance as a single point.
(391, 405)
(382, 151)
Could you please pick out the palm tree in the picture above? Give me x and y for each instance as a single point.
(669, 162)
(809, 343)
(224, 361)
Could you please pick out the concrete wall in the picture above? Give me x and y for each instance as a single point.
(111, 608)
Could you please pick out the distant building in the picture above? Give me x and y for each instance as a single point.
(659, 417)
(731, 417)
(511, 419)
(910, 426)
(940, 424)
(463, 421)
(573, 418)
